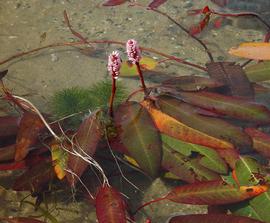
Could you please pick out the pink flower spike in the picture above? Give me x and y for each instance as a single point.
(133, 51)
(114, 64)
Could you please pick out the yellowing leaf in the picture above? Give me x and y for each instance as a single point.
(129, 70)
(255, 51)
(131, 160)
(59, 156)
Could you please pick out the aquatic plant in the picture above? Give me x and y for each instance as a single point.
(203, 131)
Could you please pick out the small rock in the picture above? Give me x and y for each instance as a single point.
(54, 58)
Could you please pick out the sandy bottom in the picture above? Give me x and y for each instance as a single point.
(28, 24)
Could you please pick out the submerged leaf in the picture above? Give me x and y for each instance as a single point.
(211, 218)
(59, 157)
(139, 135)
(253, 50)
(20, 220)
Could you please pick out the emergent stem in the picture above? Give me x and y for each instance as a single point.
(112, 96)
(141, 78)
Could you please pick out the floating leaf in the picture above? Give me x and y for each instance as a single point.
(258, 72)
(114, 2)
(192, 83)
(59, 157)
(249, 171)
(20, 220)
(187, 169)
(85, 142)
(29, 129)
(233, 76)
(228, 106)
(139, 135)
(213, 193)
(209, 158)
(110, 206)
(254, 50)
(130, 70)
(215, 129)
(261, 141)
(213, 218)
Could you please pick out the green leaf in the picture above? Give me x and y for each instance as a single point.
(185, 168)
(250, 172)
(217, 128)
(130, 70)
(139, 136)
(210, 158)
(258, 72)
(211, 218)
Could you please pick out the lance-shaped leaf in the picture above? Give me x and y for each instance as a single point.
(20, 220)
(206, 157)
(114, 2)
(35, 179)
(253, 50)
(139, 135)
(175, 128)
(233, 76)
(249, 171)
(85, 143)
(213, 193)
(110, 206)
(228, 106)
(216, 128)
(192, 83)
(261, 141)
(258, 72)
(9, 125)
(156, 3)
(213, 218)
(187, 169)
(30, 127)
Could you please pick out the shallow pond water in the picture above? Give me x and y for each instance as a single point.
(28, 24)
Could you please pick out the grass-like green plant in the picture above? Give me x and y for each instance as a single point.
(77, 99)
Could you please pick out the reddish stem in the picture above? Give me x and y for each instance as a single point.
(141, 78)
(150, 202)
(112, 96)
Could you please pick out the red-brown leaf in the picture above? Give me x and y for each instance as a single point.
(7, 153)
(156, 3)
(114, 2)
(213, 193)
(211, 218)
(86, 139)
(110, 206)
(261, 141)
(20, 220)
(9, 125)
(30, 127)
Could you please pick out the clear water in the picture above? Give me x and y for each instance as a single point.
(27, 24)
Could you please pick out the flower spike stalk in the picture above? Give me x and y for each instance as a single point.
(114, 65)
(134, 56)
